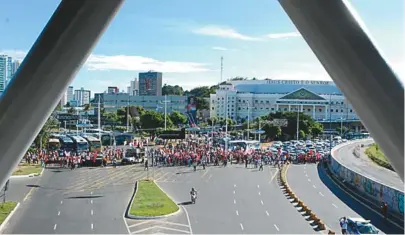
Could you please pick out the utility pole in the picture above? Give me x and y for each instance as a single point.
(128, 114)
(226, 124)
(98, 117)
(260, 129)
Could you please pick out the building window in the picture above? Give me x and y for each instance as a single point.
(285, 109)
(239, 108)
(342, 102)
(309, 110)
(272, 109)
(331, 110)
(337, 110)
(351, 110)
(320, 110)
(256, 101)
(341, 110)
(213, 108)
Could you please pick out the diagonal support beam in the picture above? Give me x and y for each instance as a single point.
(359, 70)
(51, 64)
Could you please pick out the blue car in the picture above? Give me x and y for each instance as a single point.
(360, 226)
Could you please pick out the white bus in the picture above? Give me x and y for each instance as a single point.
(245, 144)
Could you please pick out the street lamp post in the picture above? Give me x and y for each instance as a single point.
(248, 129)
(298, 122)
(330, 123)
(226, 123)
(128, 114)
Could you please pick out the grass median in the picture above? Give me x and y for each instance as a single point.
(151, 201)
(376, 155)
(25, 169)
(5, 210)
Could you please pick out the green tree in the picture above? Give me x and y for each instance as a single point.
(71, 110)
(271, 131)
(212, 121)
(316, 129)
(178, 118)
(202, 103)
(344, 130)
(301, 134)
(43, 136)
(306, 124)
(67, 104)
(172, 90)
(86, 107)
(111, 118)
(152, 120)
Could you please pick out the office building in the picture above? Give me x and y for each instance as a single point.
(63, 99)
(9, 69)
(69, 94)
(112, 102)
(3, 73)
(14, 67)
(321, 100)
(133, 88)
(82, 97)
(150, 83)
(112, 89)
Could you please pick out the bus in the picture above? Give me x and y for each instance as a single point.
(94, 143)
(66, 143)
(245, 144)
(121, 138)
(79, 144)
(53, 144)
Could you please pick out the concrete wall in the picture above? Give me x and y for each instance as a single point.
(375, 191)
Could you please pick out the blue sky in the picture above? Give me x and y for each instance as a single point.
(185, 40)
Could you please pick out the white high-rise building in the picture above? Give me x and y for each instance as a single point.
(69, 94)
(63, 99)
(82, 96)
(133, 89)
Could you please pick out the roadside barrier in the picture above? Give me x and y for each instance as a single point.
(305, 211)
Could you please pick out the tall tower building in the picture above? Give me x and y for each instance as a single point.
(82, 96)
(150, 83)
(3, 72)
(69, 94)
(133, 89)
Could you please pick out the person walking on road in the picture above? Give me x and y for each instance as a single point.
(146, 165)
(343, 225)
(384, 210)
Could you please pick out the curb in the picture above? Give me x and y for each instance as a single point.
(128, 215)
(3, 225)
(313, 220)
(27, 176)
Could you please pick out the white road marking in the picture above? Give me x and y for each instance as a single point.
(305, 172)
(276, 227)
(234, 185)
(267, 213)
(306, 175)
(309, 180)
(234, 192)
(314, 186)
(172, 229)
(209, 177)
(321, 194)
(241, 226)
(204, 174)
(91, 201)
(237, 213)
(54, 227)
(259, 193)
(91, 212)
(92, 226)
(234, 201)
(166, 222)
(91, 193)
(261, 201)
(61, 202)
(188, 220)
(58, 213)
(274, 176)
(334, 205)
(258, 186)
(137, 224)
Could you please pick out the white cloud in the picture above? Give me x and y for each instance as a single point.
(223, 32)
(219, 48)
(16, 54)
(139, 63)
(128, 63)
(283, 35)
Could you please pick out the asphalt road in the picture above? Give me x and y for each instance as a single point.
(363, 165)
(230, 200)
(19, 187)
(311, 184)
(86, 200)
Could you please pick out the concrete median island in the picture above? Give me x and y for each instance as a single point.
(150, 201)
(25, 169)
(5, 209)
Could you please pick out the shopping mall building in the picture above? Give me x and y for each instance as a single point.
(322, 100)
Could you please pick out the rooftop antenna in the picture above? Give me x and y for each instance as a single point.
(222, 67)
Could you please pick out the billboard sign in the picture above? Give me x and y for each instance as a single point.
(192, 110)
